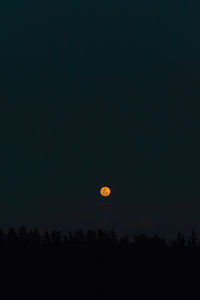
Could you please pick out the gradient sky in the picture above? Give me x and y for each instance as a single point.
(100, 93)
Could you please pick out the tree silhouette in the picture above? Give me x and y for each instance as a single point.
(193, 239)
(35, 238)
(178, 242)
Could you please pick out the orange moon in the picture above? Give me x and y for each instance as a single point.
(105, 191)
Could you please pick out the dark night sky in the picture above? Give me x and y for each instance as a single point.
(94, 93)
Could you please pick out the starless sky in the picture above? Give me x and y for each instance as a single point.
(96, 93)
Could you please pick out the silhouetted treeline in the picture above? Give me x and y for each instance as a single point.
(97, 265)
(98, 237)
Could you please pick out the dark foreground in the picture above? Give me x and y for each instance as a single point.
(97, 265)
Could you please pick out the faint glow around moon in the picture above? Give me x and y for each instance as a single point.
(105, 191)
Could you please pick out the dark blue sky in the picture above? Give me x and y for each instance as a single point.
(94, 93)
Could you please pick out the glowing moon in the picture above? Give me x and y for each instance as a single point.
(105, 191)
